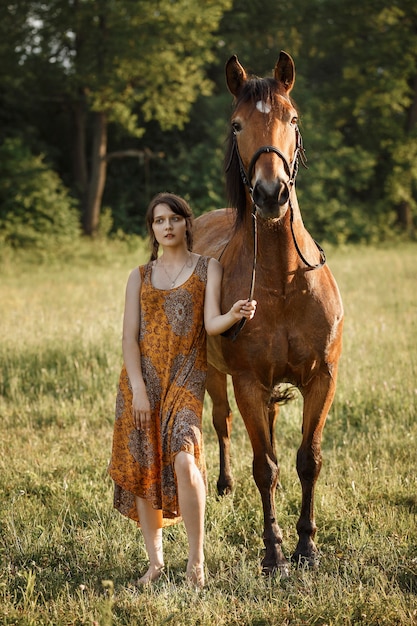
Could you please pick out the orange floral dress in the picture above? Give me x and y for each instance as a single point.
(172, 342)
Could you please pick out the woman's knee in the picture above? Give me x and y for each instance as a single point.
(185, 466)
(183, 462)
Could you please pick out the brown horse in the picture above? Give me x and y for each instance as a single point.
(296, 334)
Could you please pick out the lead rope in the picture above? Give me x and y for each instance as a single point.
(238, 327)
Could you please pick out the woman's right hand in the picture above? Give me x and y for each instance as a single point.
(141, 410)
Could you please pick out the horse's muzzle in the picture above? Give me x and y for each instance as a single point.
(271, 198)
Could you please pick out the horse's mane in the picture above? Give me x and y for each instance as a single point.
(254, 90)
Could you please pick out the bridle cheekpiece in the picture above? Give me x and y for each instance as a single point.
(292, 171)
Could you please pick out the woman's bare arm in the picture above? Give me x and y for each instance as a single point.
(131, 352)
(214, 321)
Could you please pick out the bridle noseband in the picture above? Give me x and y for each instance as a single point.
(299, 154)
(291, 170)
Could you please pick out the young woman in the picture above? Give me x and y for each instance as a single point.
(157, 460)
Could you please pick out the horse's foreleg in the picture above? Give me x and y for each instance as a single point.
(273, 410)
(259, 416)
(318, 397)
(222, 422)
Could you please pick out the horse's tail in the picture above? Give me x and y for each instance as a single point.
(282, 394)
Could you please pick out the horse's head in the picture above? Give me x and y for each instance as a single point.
(264, 140)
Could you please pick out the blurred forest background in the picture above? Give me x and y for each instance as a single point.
(103, 103)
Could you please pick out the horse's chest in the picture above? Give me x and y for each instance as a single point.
(287, 338)
(289, 335)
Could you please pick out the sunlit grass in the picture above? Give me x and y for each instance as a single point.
(66, 557)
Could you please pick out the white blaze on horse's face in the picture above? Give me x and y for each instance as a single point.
(270, 172)
(266, 140)
(263, 107)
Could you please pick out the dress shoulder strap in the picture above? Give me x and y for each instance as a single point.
(146, 272)
(201, 268)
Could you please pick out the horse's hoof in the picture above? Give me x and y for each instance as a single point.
(283, 571)
(224, 489)
(279, 567)
(301, 561)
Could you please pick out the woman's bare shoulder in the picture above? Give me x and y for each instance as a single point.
(214, 265)
(135, 278)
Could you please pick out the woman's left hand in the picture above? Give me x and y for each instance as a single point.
(244, 308)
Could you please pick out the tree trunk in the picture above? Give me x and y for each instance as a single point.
(412, 111)
(79, 150)
(97, 176)
(405, 216)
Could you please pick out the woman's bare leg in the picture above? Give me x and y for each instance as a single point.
(192, 502)
(151, 526)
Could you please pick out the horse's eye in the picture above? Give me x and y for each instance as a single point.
(236, 126)
(294, 121)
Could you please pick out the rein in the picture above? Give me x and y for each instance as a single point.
(240, 324)
(299, 154)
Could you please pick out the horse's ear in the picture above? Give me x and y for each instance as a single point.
(235, 75)
(285, 71)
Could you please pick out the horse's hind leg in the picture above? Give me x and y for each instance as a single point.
(318, 397)
(222, 421)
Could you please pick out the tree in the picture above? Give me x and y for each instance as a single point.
(356, 92)
(362, 82)
(136, 76)
(119, 62)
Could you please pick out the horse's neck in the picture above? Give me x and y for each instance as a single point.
(276, 246)
(297, 218)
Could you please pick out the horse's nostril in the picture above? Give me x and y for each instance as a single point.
(283, 194)
(270, 196)
(259, 193)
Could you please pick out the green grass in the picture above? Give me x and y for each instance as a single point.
(67, 558)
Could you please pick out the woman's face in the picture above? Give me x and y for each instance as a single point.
(168, 227)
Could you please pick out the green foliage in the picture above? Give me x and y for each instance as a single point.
(110, 54)
(67, 558)
(126, 63)
(333, 192)
(35, 208)
(361, 117)
(157, 70)
(195, 167)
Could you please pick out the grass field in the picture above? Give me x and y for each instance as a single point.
(67, 558)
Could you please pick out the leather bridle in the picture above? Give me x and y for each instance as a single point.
(291, 170)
